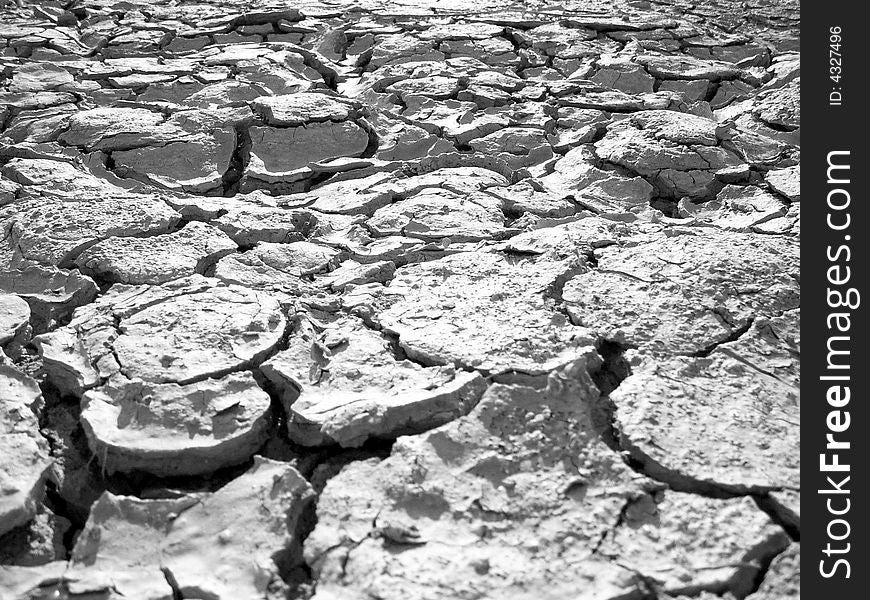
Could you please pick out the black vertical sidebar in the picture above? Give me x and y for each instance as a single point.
(835, 421)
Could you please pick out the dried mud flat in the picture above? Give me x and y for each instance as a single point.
(399, 300)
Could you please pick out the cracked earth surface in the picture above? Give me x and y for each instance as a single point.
(399, 300)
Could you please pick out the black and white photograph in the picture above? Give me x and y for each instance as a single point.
(413, 300)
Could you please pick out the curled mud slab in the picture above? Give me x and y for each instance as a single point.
(399, 300)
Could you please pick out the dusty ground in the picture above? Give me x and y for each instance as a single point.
(399, 300)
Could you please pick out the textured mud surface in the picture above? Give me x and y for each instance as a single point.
(399, 300)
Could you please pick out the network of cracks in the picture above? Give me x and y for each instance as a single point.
(399, 300)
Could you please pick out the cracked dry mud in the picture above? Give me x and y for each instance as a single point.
(399, 300)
